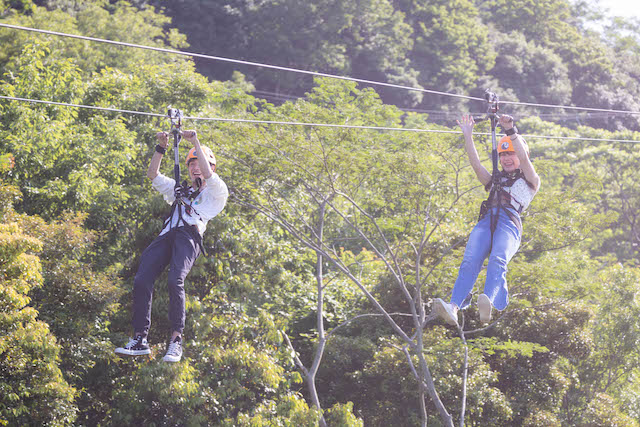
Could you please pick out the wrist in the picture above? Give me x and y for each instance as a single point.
(511, 131)
(160, 149)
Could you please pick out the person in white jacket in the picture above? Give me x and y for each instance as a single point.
(179, 243)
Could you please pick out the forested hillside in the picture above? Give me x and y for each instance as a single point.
(531, 51)
(312, 303)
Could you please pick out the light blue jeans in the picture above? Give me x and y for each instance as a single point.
(506, 241)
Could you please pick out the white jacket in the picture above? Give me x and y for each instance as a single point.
(205, 206)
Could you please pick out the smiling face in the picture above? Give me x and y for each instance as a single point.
(509, 161)
(195, 172)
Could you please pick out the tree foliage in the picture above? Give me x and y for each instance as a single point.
(33, 388)
(325, 229)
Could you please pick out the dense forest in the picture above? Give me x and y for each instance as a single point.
(312, 305)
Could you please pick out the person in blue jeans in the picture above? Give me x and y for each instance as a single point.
(519, 184)
(178, 245)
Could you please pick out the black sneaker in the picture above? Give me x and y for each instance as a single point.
(135, 347)
(174, 352)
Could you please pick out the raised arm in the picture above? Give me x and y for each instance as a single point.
(205, 168)
(466, 124)
(156, 159)
(521, 151)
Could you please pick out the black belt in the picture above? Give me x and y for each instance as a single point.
(515, 218)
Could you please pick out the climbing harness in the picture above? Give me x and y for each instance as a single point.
(184, 193)
(513, 193)
(506, 190)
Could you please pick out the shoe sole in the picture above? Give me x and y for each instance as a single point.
(169, 360)
(133, 352)
(443, 313)
(484, 307)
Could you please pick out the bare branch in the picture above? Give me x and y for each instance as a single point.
(398, 271)
(465, 372)
(361, 316)
(295, 354)
(335, 261)
(396, 274)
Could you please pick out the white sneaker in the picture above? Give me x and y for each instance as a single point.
(484, 307)
(174, 352)
(446, 311)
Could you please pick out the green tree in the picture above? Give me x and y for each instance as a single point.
(614, 360)
(535, 73)
(592, 66)
(365, 38)
(451, 47)
(33, 389)
(118, 21)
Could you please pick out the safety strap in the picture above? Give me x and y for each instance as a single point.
(181, 206)
(498, 195)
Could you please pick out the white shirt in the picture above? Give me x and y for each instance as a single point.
(520, 192)
(205, 206)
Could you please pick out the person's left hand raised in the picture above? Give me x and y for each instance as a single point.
(506, 121)
(190, 135)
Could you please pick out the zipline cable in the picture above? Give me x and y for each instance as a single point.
(314, 73)
(220, 119)
(91, 107)
(452, 115)
(237, 61)
(288, 123)
(567, 107)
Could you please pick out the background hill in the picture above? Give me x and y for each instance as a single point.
(334, 240)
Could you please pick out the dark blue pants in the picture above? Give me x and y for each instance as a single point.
(178, 249)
